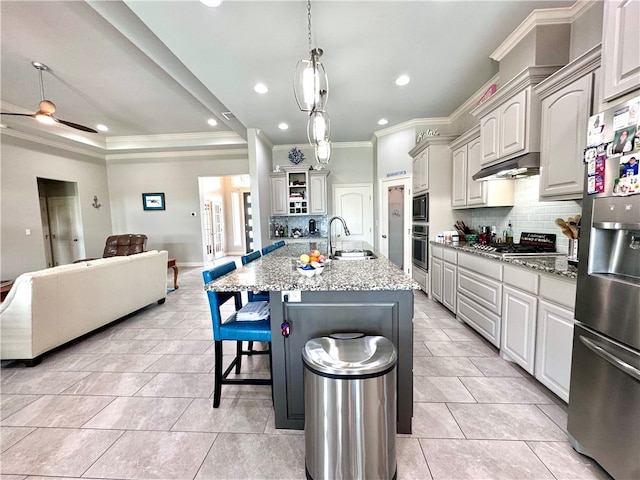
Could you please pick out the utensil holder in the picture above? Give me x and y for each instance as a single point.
(573, 251)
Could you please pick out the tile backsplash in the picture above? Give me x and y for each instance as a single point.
(528, 213)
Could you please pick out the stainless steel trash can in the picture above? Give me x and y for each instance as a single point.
(350, 407)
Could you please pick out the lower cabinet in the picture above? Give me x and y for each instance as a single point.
(525, 314)
(519, 327)
(479, 291)
(436, 279)
(449, 291)
(483, 321)
(554, 344)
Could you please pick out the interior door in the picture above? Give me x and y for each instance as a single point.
(207, 231)
(354, 203)
(395, 226)
(218, 229)
(65, 230)
(248, 222)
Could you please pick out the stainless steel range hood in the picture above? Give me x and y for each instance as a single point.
(519, 167)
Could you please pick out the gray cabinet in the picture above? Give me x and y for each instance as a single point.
(278, 194)
(620, 53)
(299, 191)
(479, 301)
(510, 119)
(420, 179)
(554, 336)
(467, 192)
(519, 314)
(318, 192)
(566, 106)
(386, 313)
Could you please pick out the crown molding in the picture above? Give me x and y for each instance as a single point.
(466, 137)
(530, 76)
(334, 146)
(149, 157)
(414, 123)
(174, 140)
(10, 132)
(428, 141)
(543, 16)
(472, 101)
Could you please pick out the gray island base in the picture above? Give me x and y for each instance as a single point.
(370, 296)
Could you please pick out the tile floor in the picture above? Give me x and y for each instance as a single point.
(134, 402)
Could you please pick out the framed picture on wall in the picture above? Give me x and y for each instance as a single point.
(153, 201)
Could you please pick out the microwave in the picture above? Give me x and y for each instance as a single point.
(421, 208)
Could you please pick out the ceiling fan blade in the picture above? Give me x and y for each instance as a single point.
(18, 114)
(76, 126)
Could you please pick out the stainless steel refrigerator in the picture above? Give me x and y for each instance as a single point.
(604, 400)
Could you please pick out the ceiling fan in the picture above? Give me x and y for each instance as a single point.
(47, 108)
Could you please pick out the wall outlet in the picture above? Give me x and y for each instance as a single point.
(292, 296)
(27, 231)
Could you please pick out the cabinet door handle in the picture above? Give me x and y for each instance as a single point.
(384, 236)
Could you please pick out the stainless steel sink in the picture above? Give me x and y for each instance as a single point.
(353, 255)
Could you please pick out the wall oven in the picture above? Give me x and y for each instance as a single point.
(421, 208)
(420, 246)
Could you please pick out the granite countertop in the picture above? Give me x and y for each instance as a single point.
(276, 271)
(554, 264)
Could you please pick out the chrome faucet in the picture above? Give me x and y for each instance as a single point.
(344, 225)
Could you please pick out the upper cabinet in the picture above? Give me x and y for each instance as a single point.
(318, 192)
(299, 191)
(421, 172)
(278, 193)
(467, 192)
(620, 47)
(567, 98)
(510, 119)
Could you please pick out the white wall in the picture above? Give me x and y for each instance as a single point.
(260, 165)
(173, 229)
(21, 162)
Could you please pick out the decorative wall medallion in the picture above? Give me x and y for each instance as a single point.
(296, 156)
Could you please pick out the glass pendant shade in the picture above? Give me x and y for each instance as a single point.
(323, 153)
(310, 84)
(318, 128)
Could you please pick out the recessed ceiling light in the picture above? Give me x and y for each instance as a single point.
(283, 126)
(102, 128)
(402, 80)
(212, 121)
(211, 3)
(383, 121)
(261, 88)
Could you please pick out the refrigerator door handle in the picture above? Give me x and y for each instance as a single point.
(612, 359)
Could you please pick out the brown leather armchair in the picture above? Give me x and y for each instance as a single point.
(122, 245)
(125, 244)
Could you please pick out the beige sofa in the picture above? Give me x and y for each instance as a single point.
(48, 308)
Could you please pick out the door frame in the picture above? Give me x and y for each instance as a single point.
(383, 219)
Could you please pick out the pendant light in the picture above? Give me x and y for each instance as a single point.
(310, 83)
(323, 153)
(318, 128)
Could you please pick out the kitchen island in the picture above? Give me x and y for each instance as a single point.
(372, 296)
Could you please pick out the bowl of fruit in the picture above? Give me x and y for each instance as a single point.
(310, 264)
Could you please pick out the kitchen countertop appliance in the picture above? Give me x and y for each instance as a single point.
(604, 398)
(531, 245)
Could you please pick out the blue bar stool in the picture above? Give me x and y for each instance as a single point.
(233, 330)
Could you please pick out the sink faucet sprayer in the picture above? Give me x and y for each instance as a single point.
(344, 226)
